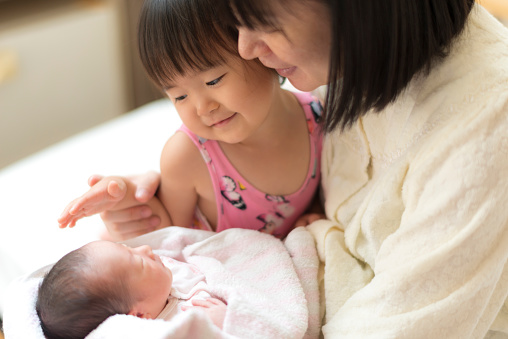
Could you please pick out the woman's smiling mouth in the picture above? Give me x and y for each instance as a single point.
(286, 72)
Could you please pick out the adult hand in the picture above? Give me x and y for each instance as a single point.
(136, 220)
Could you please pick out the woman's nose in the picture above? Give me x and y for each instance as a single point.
(250, 44)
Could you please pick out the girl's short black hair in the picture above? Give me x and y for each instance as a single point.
(377, 47)
(176, 36)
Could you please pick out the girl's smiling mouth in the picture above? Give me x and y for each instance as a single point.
(224, 122)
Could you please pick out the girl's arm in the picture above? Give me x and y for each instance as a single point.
(181, 167)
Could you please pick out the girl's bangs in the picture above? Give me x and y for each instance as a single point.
(172, 44)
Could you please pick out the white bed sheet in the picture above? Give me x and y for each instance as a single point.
(35, 190)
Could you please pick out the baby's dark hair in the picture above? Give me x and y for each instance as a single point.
(177, 36)
(74, 298)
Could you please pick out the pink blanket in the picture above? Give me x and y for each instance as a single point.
(270, 287)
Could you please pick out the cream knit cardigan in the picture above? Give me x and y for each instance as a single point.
(417, 195)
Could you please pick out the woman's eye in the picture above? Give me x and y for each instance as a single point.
(215, 81)
(180, 98)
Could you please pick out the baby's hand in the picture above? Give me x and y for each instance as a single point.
(103, 195)
(214, 308)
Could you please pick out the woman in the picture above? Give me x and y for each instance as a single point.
(415, 162)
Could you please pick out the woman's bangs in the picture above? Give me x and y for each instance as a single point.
(252, 14)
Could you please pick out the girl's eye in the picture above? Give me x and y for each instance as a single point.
(215, 81)
(180, 98)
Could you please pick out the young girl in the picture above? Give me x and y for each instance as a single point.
(248, 153)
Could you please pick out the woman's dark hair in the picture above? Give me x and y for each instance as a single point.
(73, 299)
(377, 47)
(176, 36)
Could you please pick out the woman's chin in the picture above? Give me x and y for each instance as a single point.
(304, 84)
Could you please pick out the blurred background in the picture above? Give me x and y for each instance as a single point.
(68, 65)
(65, 66)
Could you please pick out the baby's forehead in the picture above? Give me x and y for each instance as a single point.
(103, 245)
(104, 252)
(108, 261)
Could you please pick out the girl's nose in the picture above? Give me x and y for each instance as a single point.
(250, 44)
(206, 106)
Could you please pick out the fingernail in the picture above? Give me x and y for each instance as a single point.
(142, 193)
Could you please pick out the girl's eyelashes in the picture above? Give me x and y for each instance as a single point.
(215, 81)
(212, 83)
(180, 98)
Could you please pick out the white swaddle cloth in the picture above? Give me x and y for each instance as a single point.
(188, 283)
(270, 287)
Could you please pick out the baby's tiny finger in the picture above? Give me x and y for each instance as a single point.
(200, 302)
(214, 301)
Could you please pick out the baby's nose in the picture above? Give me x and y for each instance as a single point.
(146, 250)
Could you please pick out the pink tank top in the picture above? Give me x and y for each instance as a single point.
(241, 205)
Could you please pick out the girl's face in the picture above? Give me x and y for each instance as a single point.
(298, 47)
(228, 103)
(148, 280)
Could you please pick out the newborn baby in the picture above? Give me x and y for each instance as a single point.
(104, 278)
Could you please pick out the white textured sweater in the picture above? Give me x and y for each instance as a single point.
(417, 197)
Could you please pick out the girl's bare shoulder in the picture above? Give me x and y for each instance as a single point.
(180, 158)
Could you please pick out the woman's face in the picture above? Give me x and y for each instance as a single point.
(298, 48)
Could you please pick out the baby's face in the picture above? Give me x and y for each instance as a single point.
(148, 279)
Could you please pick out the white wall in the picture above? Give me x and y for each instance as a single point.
(65, 74)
